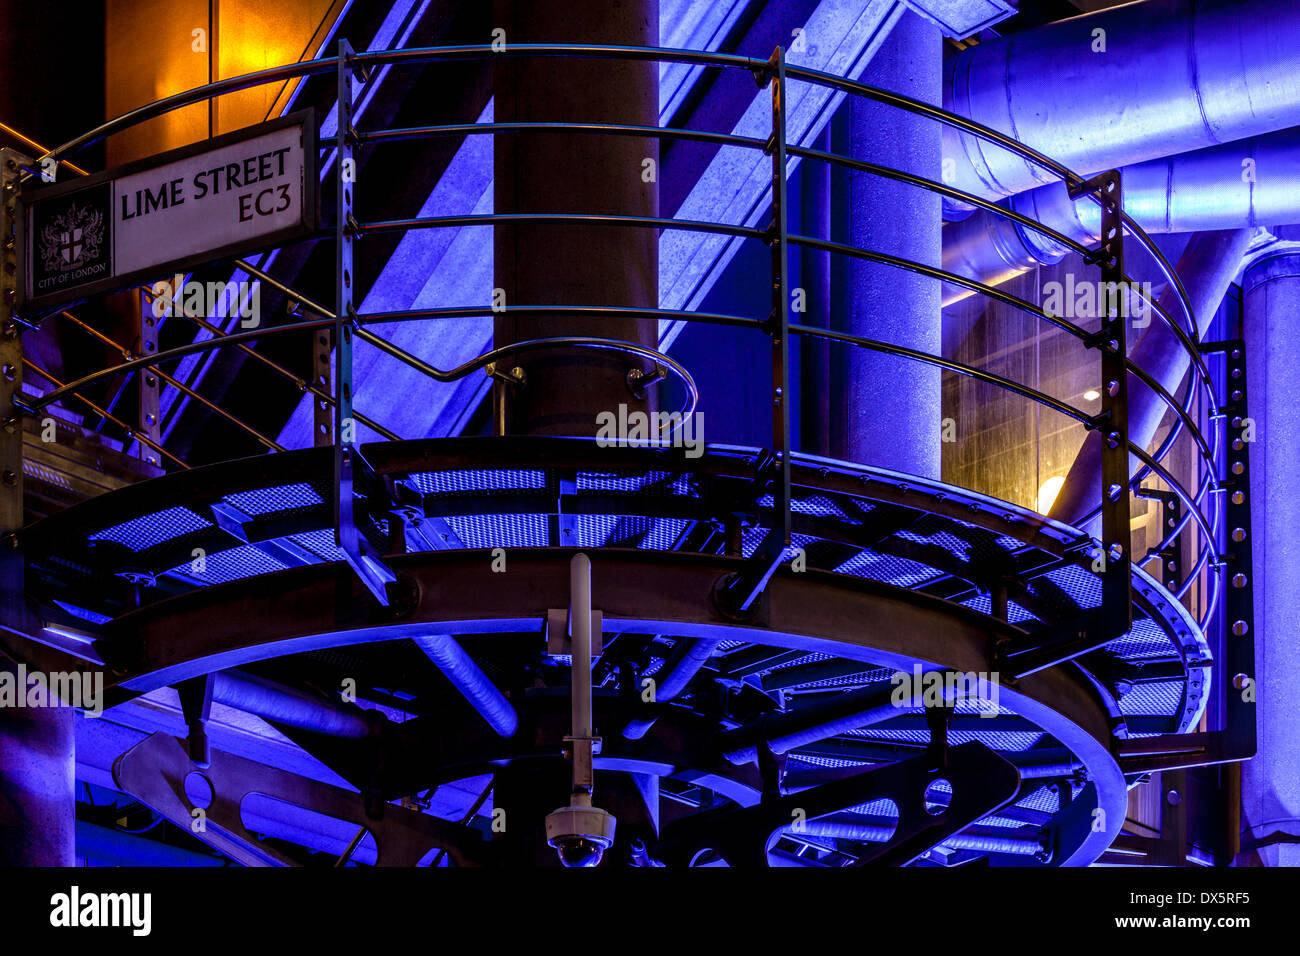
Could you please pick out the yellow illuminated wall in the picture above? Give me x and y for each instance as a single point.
(152, 51)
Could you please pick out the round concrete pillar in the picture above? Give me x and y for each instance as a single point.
(886, 410)
(37, 795)
(583, 265)
(1270, 783)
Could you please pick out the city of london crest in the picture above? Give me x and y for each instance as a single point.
(72, 239)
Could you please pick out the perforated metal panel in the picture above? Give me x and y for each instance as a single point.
(819, 506)
(983, 603)
(222, 566)
(320, 543)
(899, 572)
(650, 483)
(501, 531)
(997, 739)
(1146, 639)
(149, 530)
(1083, 587)
(1153, 699)
(270, 500)
(959, 549)
(475, 481)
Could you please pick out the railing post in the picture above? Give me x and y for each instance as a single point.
(149, 425)
(323, 431)
(1111, 338)
(735, 594)
(36, 743)
(359, 552)
(1237, 576)
(780, 318)
(11, 358)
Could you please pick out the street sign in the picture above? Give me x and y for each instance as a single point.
(220, 198)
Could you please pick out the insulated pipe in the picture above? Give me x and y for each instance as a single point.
(284, 705)
(1253, 182)
(685, 661)
(881, 829)
(1270, 783)
(468, 678)
(1207, 267)
(786, 731)
(1122, 86)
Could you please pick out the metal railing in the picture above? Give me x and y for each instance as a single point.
(775, 73)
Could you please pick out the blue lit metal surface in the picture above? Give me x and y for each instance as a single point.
(964, 542)
(470, 481)
(231, 565)
(900, 572)
(149, 530)
(1153, 699)
(270, 500)
(502, 531)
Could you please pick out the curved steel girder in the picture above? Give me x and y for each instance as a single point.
(723, 465)
(644, 592)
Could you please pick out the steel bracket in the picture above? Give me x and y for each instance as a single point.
(1111, 339)
(155, 770)
(981, 781)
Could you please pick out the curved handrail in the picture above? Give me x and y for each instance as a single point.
(763, 71)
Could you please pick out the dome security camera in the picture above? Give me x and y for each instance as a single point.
(580, 835)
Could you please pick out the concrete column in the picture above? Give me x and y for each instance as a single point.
(1270, 783)
(37, 795)
(582, 173)
(887, 410)
(815, 279)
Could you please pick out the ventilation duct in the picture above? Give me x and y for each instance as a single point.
(1122, 86)
(1234, 186)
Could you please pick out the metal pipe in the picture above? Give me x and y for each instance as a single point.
(1160, 78)
(1233, 186)
(881, 829)
(557, 219)
(788, 731)
(285, 705)
(687, 657)
(580, 634)
(469, 679)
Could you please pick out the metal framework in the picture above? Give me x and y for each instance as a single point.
(730, 520)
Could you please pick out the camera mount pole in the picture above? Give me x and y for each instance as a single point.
(580, 822)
